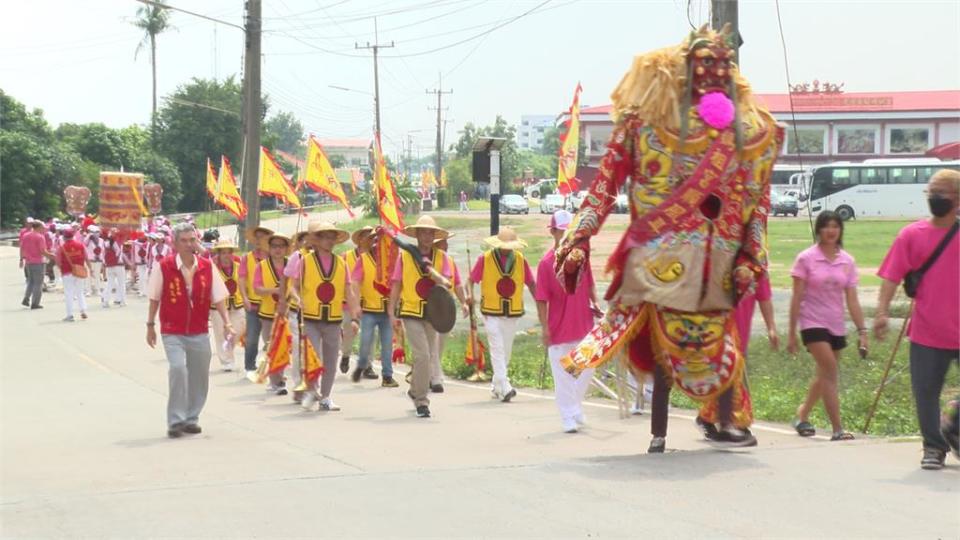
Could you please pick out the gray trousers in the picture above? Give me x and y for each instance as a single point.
(928, 369)
(34, 283)
(325, 338)
(423, 345)
(189, 376)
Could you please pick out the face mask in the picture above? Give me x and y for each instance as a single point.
(939, 205)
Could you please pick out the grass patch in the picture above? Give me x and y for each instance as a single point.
(477, 204)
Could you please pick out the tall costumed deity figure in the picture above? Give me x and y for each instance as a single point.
(694, 153)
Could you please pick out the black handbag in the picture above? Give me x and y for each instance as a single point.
(911, 281)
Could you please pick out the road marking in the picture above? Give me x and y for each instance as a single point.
(94, 363)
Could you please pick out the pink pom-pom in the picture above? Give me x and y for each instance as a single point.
(716, 110)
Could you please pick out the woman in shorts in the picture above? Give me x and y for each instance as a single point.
(823, 276)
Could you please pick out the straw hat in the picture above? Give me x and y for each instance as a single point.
(426, 222)
(361, 233)
(319, 226)
(251, 234)
(447, 237)
(281, 236)
(506, 239)
(223, 244)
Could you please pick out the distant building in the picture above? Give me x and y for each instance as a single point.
(531, 129)
(834, 126)
(355, 152)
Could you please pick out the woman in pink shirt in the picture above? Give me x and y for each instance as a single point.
(823, 276)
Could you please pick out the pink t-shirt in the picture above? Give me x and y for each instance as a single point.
(477, 273)
(32, 246)
(295, 265)
(936, 312)
(743, 313)
(569, 318)
(826, 281)
(258, 274)
(447, 270)
(257, 255)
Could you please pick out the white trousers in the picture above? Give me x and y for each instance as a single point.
(142, 280)
(94, 280)
(116, 286)
(239, 323)
(500, 334)
(73, 292)
(569, 389)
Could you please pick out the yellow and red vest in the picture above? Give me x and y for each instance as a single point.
(232, 281)
(371, 300)
(323, 294)
(250, 262)
(416, 285)
(268, 304)
(501, 289)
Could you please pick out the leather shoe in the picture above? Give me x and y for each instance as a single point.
(174, 432)
(192, 429)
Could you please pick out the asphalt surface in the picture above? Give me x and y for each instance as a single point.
(83, 453)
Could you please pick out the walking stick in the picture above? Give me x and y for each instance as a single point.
(886, 371)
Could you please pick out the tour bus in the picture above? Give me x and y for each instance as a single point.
(874, 188)
(786, 177)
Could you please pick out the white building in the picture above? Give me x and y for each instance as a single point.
(355, 152)
(531, 129)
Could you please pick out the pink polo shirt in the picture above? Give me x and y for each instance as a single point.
(569, 318)
(743, 312)
(826, 281)
(936, 311)
(477, 273)
(447, 270)
(32, 246)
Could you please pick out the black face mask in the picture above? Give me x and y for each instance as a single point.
(940, 205)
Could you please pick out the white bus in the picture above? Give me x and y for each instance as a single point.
(786, 178)
(874, 188)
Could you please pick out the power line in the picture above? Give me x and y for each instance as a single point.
(195, 14)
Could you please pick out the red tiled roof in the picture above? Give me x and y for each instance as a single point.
(291, 158)
(936, 100)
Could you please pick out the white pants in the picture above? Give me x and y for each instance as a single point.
(500, 334)
(436, 370)
(94, 280)
(142, 280)
(569, 390)
(73, 292)
(239, 323)
(116, 285)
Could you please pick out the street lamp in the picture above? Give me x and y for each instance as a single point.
(345, 89)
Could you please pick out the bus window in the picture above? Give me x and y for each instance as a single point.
(902, 175)
(873, 176)
(843, 177)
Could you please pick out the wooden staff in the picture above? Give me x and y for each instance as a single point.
(886, 372)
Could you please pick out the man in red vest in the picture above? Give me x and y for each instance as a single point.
(182, 288)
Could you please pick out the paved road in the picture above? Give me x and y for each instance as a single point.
(83, 452)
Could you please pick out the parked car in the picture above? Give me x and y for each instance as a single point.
(514, 204)
(622, 206)
(551, 203)
(782, 204)
(574, 201)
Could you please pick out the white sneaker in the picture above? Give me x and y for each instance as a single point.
(569, 425)
(227, 368)
(308, 401)
(580, 419)
(327, 404)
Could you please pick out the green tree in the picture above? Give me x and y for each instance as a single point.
(551, 147)
(153, 20)
(287, 130)
(509, 160)
(188, 135)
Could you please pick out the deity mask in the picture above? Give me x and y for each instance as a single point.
(711, 70)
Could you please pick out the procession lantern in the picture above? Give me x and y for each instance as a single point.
(153, 193)
(77, 198)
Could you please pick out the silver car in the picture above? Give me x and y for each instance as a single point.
(551, 203)
(514, 204)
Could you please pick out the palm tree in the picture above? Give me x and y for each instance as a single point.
(153, 20)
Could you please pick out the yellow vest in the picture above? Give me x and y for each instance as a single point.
(411, 302)
(251, 263)
(371, 300)
(268, 304)
(234, 301)
(313, 279)
(492, 302)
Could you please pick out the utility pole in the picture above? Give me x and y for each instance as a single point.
(252, 113)
(439, 91)
(727, 11)
(376, 74)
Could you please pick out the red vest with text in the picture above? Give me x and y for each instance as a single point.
(181, 312)
(112, 254)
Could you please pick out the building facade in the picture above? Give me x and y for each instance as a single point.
(531, 129)
(355, 152)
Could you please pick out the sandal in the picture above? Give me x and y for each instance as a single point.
(804, 428)
(842, 436)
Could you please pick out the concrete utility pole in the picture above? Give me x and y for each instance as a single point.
(727, 11)
(376, 74)
(439, 91)
(252, 113)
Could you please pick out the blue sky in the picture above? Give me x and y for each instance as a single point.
(76, 60)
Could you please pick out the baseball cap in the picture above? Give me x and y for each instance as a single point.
(560, 220)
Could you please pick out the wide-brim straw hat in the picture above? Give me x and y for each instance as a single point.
(506, 239)
(427, 223)
(321, 226)
(224, 244)
(361, 233)
(447, 237)
(251, 234)
(281, 236)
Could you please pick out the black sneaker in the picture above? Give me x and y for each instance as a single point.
(709, 430)
(355, 376)
(369, 373)
(174, 432)
(933, 459)
(344, 364)
(734, 437)
(192, 429)
(657, 445)
(423, 411)
(38, 306)
(25, 303)
(510, 395)
(388, 382)
(436, 388)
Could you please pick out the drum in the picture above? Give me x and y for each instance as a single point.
(441, 310)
